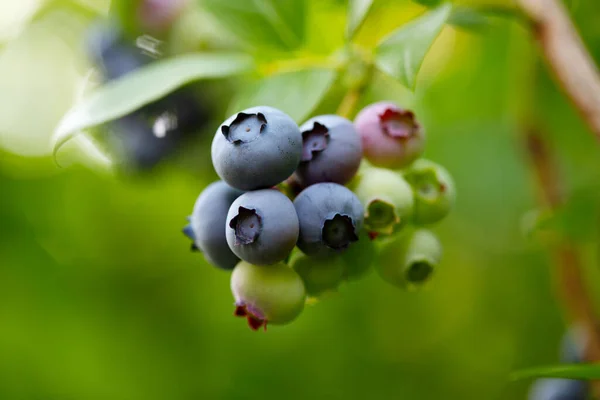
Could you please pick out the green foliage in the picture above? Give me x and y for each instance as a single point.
(402, 52)
(468, 18)
(357, 13)
(296, 93)
(141, 87)
(276, 24)
(575, 371)
(96, 277)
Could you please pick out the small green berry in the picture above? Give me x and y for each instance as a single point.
(358, 259)
(319, 274)
(408, 260)
(434, 191)
(387, 197)
(271, 294)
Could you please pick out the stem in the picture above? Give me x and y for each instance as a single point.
(565, 53)
(349, 103)
(570, 283)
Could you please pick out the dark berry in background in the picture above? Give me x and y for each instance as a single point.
(147, 136)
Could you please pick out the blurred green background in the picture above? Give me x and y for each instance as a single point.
(101, 299)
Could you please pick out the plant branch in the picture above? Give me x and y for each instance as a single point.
(570, 284)
(565, 53)
(349, 103)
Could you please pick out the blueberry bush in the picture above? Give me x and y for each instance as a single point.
(361, 173)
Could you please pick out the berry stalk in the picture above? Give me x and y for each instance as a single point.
(569, 280)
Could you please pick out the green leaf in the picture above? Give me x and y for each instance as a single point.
(358, 10)
(278, 24)
(403, 51)
(296, 93)
(428, 3)
(578, 217)
(134, 90)
(469, 19)
(567, 371)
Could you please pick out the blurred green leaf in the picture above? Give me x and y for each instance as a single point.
(120, 97)
(479, 18)
(468, 18)
(578, 218)
(279, 24)
(358, 10)
(403, 51)
(567, 371)
(297, 93)
(428, 3)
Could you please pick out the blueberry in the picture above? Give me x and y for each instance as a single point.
(388, 200)
(434, 191)
(391, 137)
(262, 227)
(112, 52)
(267, 295)
(572, 346)
(134, 142)
(208, 224)
(331, 151)
(408, 260)
(257, 148)
(331, 217)
(558, 389)
(319, 274)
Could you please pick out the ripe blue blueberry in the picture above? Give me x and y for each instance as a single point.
(391, 136)
(264, 295)
(262, 227)
(112, 52)
(388, 199)
(558, 389)
(572, 346)
(331, 151)
(408, 260)
(207, 224)
(257, 148)
(434, 190)
(331, 217)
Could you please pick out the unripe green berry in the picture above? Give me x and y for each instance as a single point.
(434, 191)
(358, 259)
(271, 294)
(408, 260)
(319, 274)
(387, 197)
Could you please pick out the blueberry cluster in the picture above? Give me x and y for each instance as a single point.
(571, 352)
(299, 210)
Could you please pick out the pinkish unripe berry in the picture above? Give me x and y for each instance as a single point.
(391, 136)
